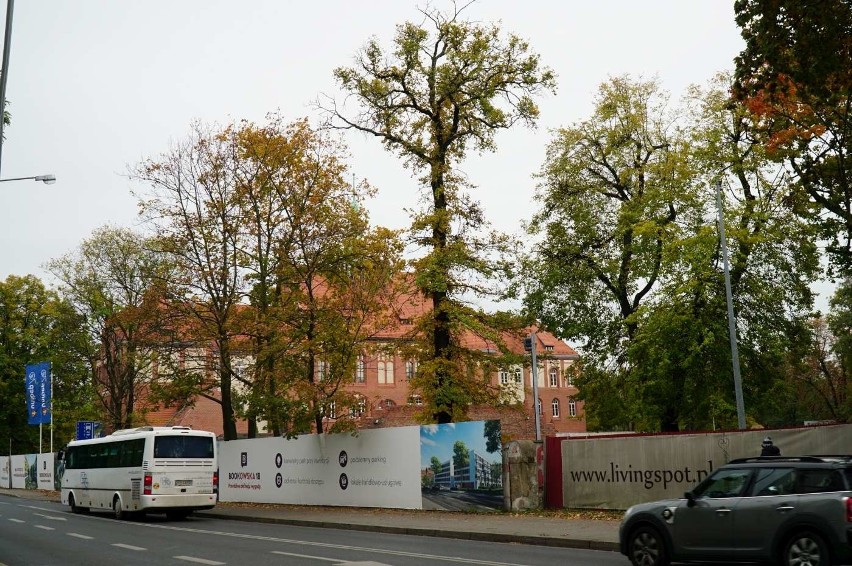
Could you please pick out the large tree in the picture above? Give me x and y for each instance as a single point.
(322, 281)
(113, 281)
(631, 259)
(191, 205)
(278, 269)
(445, 87)
(795, 75)
(613, 190)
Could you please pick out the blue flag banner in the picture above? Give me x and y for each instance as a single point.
(38, 393)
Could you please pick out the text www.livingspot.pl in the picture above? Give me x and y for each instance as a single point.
(648, 478)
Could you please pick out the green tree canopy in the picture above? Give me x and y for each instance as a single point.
(36, 325)
(795, 75)
(113, 280)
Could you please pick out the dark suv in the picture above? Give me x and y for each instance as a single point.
(789, 511)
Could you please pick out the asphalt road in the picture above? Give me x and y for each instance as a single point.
(46, 533)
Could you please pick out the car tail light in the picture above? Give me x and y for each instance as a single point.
(216, 483)
(848, 509)
(148, 482)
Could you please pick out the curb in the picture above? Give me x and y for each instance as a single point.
(425, 532)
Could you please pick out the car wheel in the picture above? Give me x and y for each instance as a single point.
(117, 511)
(806, 548)
(647, 548)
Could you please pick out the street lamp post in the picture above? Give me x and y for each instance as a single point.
(4, 71)
(732, 324)
(529, 346)
(48, 179)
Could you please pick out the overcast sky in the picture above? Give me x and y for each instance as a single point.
(97, 85)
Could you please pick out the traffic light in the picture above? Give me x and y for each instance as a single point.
(528, 343)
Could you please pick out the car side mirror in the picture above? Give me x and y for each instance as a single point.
(690, 499)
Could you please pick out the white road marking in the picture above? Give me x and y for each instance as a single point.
(44, 527)
(316, 544)
(15, 520)
(331, 545)
(335, 560)
(128, 546)
(78, 535)
(34, 507)
(51, 517)
(199, 560)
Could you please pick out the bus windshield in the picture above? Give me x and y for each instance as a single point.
(179, 446)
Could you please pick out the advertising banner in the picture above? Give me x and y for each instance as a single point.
(30, 471)
(5, 471)
(377, 468)
(450, 467)
(38, 392)
(19, 473)
(44, 479)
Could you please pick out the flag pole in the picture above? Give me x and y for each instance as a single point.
(51, 408)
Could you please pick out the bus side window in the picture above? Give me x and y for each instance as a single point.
(138, 452)
(124, 453)
(113, 456)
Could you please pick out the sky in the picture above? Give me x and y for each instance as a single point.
(96, 86)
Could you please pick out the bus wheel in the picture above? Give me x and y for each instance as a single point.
(177, 515)
(117, 511)
(73, 505)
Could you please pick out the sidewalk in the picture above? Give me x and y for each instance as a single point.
(495, 527)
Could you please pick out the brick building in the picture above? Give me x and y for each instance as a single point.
(381, 384)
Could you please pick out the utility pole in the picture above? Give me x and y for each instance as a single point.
(732, 322)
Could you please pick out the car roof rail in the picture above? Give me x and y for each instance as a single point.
(810, 459)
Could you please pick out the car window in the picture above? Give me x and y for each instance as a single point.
(774, 481)
(819, 481)
(729, 482)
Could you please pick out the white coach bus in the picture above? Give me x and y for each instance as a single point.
(172, 470)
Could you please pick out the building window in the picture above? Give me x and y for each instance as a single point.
(388, 403)
(385, 365)
(331, 410)
(415, 400)
(322, 370)
(572, 407)
(410, 369)
(504, 377)
(554, 407)
(359, 408)
(359, 370)
(570, 378)
(518, 376)
(548, 348)
(538, 403)
(554, 375)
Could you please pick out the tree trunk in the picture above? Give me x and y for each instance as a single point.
(438, 292)
(229, 424)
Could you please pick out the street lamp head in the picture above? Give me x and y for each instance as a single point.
(46, 179)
